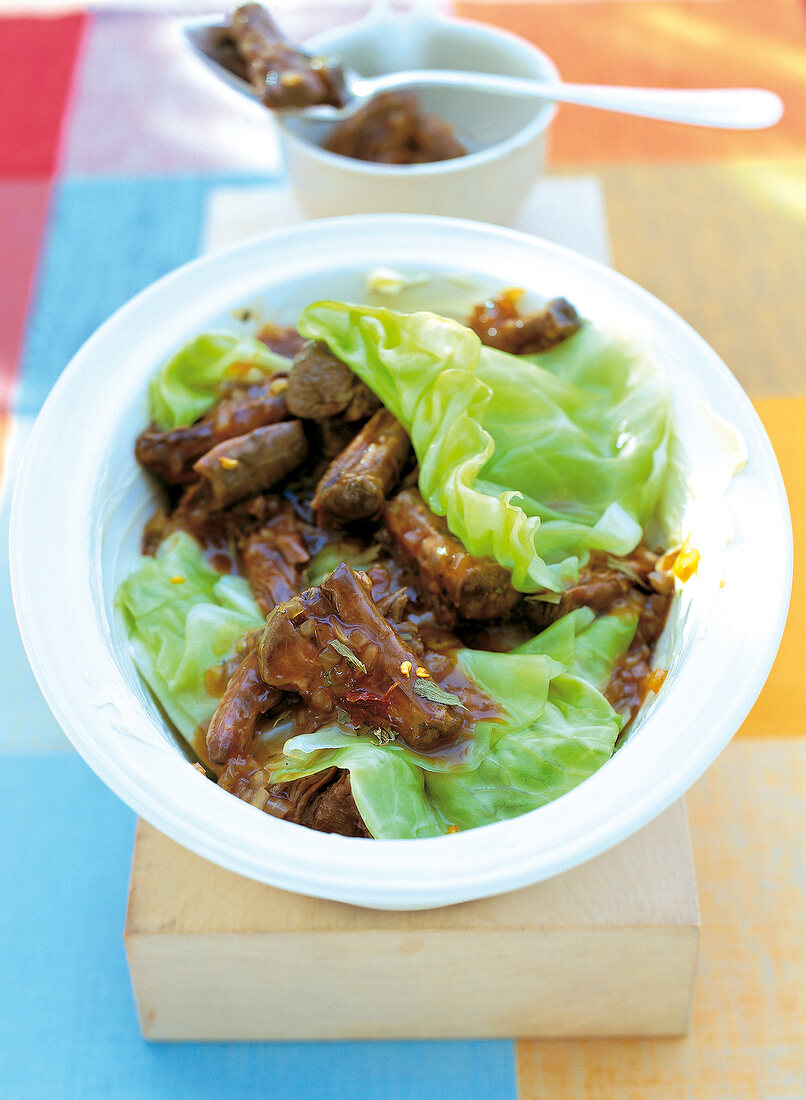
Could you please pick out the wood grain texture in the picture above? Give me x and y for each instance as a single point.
(608, 948)
(747, 1033)
(725, 246)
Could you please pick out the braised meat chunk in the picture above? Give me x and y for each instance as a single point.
(357, 482)
(282, 339)
(321, 386)
(603, 583)
(246, 698)
(171, 454)
(273, 558)
(498, 324)
(333, 647)
(281, 75)
(393, 128)
(445, 574)
(322, 801)
(250, 464)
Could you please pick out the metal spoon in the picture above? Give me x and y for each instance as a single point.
(725, 108)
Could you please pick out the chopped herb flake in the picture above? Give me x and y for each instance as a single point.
(346, 652)
(429, 690)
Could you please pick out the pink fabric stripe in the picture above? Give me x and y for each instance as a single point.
(23, 211)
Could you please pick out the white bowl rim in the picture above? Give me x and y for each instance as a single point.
(427, 873)
(539, 124)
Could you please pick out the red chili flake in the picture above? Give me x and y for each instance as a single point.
(371, 697)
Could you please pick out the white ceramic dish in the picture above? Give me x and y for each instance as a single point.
(506, 136)
(80, 502)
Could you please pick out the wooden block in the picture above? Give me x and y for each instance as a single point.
(609, 948)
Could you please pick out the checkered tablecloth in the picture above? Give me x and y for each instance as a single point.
(119, 160)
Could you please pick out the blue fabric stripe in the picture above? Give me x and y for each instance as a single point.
(68, 1027)
(106, 240)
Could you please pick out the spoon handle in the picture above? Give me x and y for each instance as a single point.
(727, 108)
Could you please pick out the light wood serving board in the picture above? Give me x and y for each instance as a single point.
(609, 948)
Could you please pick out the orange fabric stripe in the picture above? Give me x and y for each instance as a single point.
(781, 707)
(684, 43)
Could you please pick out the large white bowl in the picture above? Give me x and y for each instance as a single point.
(80, 502)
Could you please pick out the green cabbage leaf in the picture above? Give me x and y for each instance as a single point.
(534, 460)
(187, 385)
(178, 629)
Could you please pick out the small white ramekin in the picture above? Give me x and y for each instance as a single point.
(507, 136)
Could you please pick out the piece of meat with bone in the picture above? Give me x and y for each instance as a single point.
(498, 324)
(273, 558)
(321, 386)
(333, 647)
(245, 699)
(358, 480)
(281, 76)
(171, 454)
(444, 573)
(250, 464)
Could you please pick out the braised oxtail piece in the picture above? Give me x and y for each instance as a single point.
(498, 324)
(273, 558)
(171, 454)
(333, 647)
(321, 386)
(250, 464)
(356, 483)
(281, 76)
(445, 574)
(246, 697)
